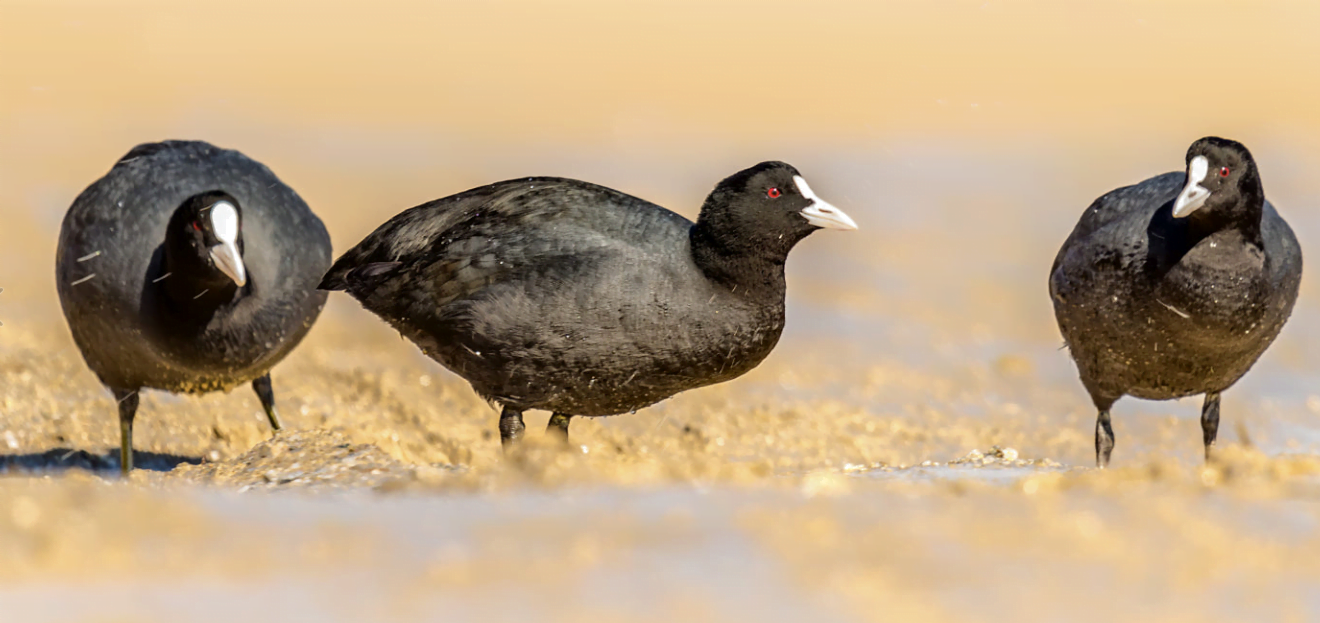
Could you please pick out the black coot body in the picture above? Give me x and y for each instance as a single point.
(191, 269)
(557, 294)
(1175, 286)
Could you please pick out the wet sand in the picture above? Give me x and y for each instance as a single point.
(917, 448)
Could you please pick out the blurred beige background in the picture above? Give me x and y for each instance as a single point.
(607, 72)
(302, 82)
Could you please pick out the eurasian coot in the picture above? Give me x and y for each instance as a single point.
(188, 268)
(557, 294)
(1175, 286)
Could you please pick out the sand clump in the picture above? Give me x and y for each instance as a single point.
(312, 459)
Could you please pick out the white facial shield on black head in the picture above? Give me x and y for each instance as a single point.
(224, 221)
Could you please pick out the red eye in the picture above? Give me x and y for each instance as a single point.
(196, 226)
(773, 193)
(1224, 172)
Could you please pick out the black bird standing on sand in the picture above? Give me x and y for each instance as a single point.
(556, 294)
(191, 269)
(1175, 286)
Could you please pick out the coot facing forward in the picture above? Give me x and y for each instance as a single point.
(557, 294)
(188, 268)
(1175, 286)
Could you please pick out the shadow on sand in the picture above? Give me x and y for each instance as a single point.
(64, 459)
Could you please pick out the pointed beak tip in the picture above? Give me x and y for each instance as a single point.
(228, 261)
(849, 225)
(1189, 201)
(826, 216)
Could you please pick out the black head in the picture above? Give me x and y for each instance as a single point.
(1222, 183)
(752, 220)
(768, 205)
(203, 241)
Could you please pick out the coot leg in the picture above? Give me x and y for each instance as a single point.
(1104, 439)
(267, 396)
(558, 426)
(128, 404)
(1210, 421)
(511, 426)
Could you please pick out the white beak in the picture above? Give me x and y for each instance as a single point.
(820, 213)
(1193, 195)
(226, 258)
(224, 220)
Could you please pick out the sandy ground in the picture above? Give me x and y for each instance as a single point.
(916, 449)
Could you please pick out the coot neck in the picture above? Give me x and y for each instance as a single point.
(193, 288)
(1243, 215)
(747, 266)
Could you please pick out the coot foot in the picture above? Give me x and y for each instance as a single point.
(511, 426)
(261, 385)
(1210, 421)
(558, 426)
(128, 404)
(1104, 439)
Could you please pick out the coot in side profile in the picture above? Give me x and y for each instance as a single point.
(557, 294)
(1175, 286)
(191, 269)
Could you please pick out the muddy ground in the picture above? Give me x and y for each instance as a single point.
(388, 498)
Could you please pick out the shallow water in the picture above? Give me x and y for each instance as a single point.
(835, 482)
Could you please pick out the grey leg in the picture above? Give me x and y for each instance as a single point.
(511, 427)
(128, 404)
(1104, 439)
(1210, 421)
(267, 397)
(558, 426)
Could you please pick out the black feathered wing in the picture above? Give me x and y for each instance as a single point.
(1130, 206)
(535, 227)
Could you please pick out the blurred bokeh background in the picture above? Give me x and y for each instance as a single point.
(965, 137)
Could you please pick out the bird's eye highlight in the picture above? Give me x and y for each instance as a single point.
(1223, 172)
(772, 193)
